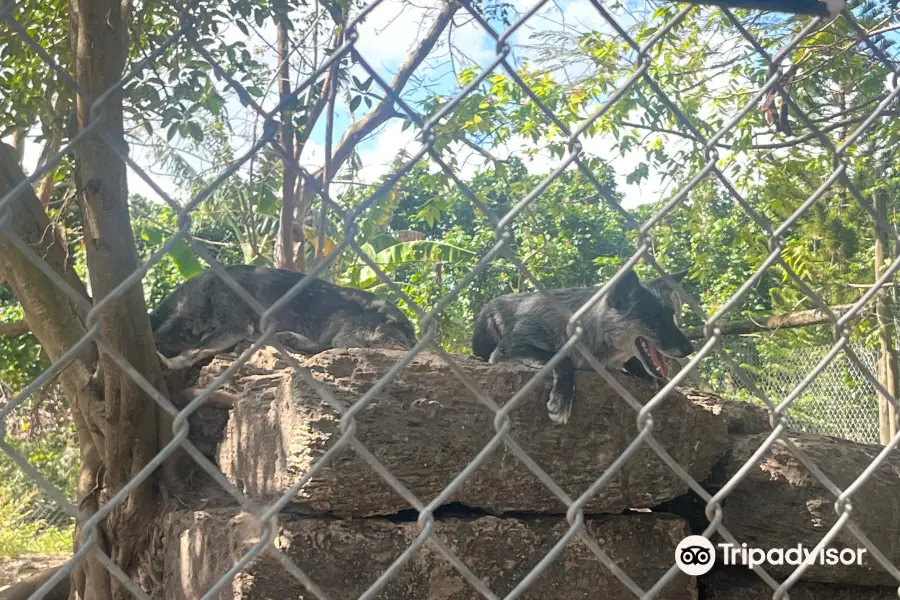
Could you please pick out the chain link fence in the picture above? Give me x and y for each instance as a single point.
(643, 54)
(840, 402)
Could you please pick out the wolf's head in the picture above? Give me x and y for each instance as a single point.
(666, 295)
(180, 322)
(382, 325)
(647, 320)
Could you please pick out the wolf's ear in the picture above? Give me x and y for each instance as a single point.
(679, 275)
(624, 290)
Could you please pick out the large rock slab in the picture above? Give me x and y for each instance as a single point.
(730, 586)
(425, 427)
(344, 557)
(780, 504)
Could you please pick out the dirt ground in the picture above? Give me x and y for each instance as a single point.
(13, 570)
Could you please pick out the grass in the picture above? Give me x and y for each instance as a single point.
(20, 538)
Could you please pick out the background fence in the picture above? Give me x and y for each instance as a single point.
(840, 402)
(443, 124)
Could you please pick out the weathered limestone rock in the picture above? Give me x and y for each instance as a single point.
(739, 417)
(780, 504)
(731, 586)
(344, 557)
(425, 427)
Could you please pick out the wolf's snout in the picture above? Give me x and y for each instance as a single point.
(686, 349)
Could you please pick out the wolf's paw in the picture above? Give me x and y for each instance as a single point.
(298, 343)
(176, 363)
(559, 408)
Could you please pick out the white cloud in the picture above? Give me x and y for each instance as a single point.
(387, 35)
(391, 30)
(385, 148)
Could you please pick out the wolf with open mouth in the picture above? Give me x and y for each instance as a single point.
(628, 322)
(670, 300)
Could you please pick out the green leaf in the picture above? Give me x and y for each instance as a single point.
(195, 131)
(268, 202)
(354, 103)
(419, 251)
(214, 104)
(185, 259)
(152, 235)
(641, 172)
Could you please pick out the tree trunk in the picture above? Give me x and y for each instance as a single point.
(58, 322)
(98, 34)
(285, 257)
(887, 361)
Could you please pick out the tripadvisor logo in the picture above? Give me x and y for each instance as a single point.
(751, 557)
(695, 555)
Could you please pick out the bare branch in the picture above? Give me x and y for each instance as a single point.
(801, 318)
(383, 111)
(357, 132)
(14, 328)
(794, 141)
(18, 143)
(477, 148)
(58, 128)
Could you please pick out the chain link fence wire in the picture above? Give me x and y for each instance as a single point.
(643, 52)
(43, 431)
(840, 402)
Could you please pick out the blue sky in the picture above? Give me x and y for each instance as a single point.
(479, 50)
(386, 37)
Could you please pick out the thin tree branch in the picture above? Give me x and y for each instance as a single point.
(803, 318)
(357, 132)
(14, 328)
(768, 146)
(329, 162)
(286, 260)
(481, 151)
(58, 128)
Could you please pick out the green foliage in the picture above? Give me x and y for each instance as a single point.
(428, 236)
(20, 537)
(41, 431)
(567, 237)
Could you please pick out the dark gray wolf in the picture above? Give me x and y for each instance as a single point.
(204, 316)
(628, 321)
(668, 298)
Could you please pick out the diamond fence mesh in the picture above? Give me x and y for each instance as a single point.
(840, 402)
(842, 352)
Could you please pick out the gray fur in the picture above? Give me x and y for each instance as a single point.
(204, 316)
(670, 299)
(526, 328)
